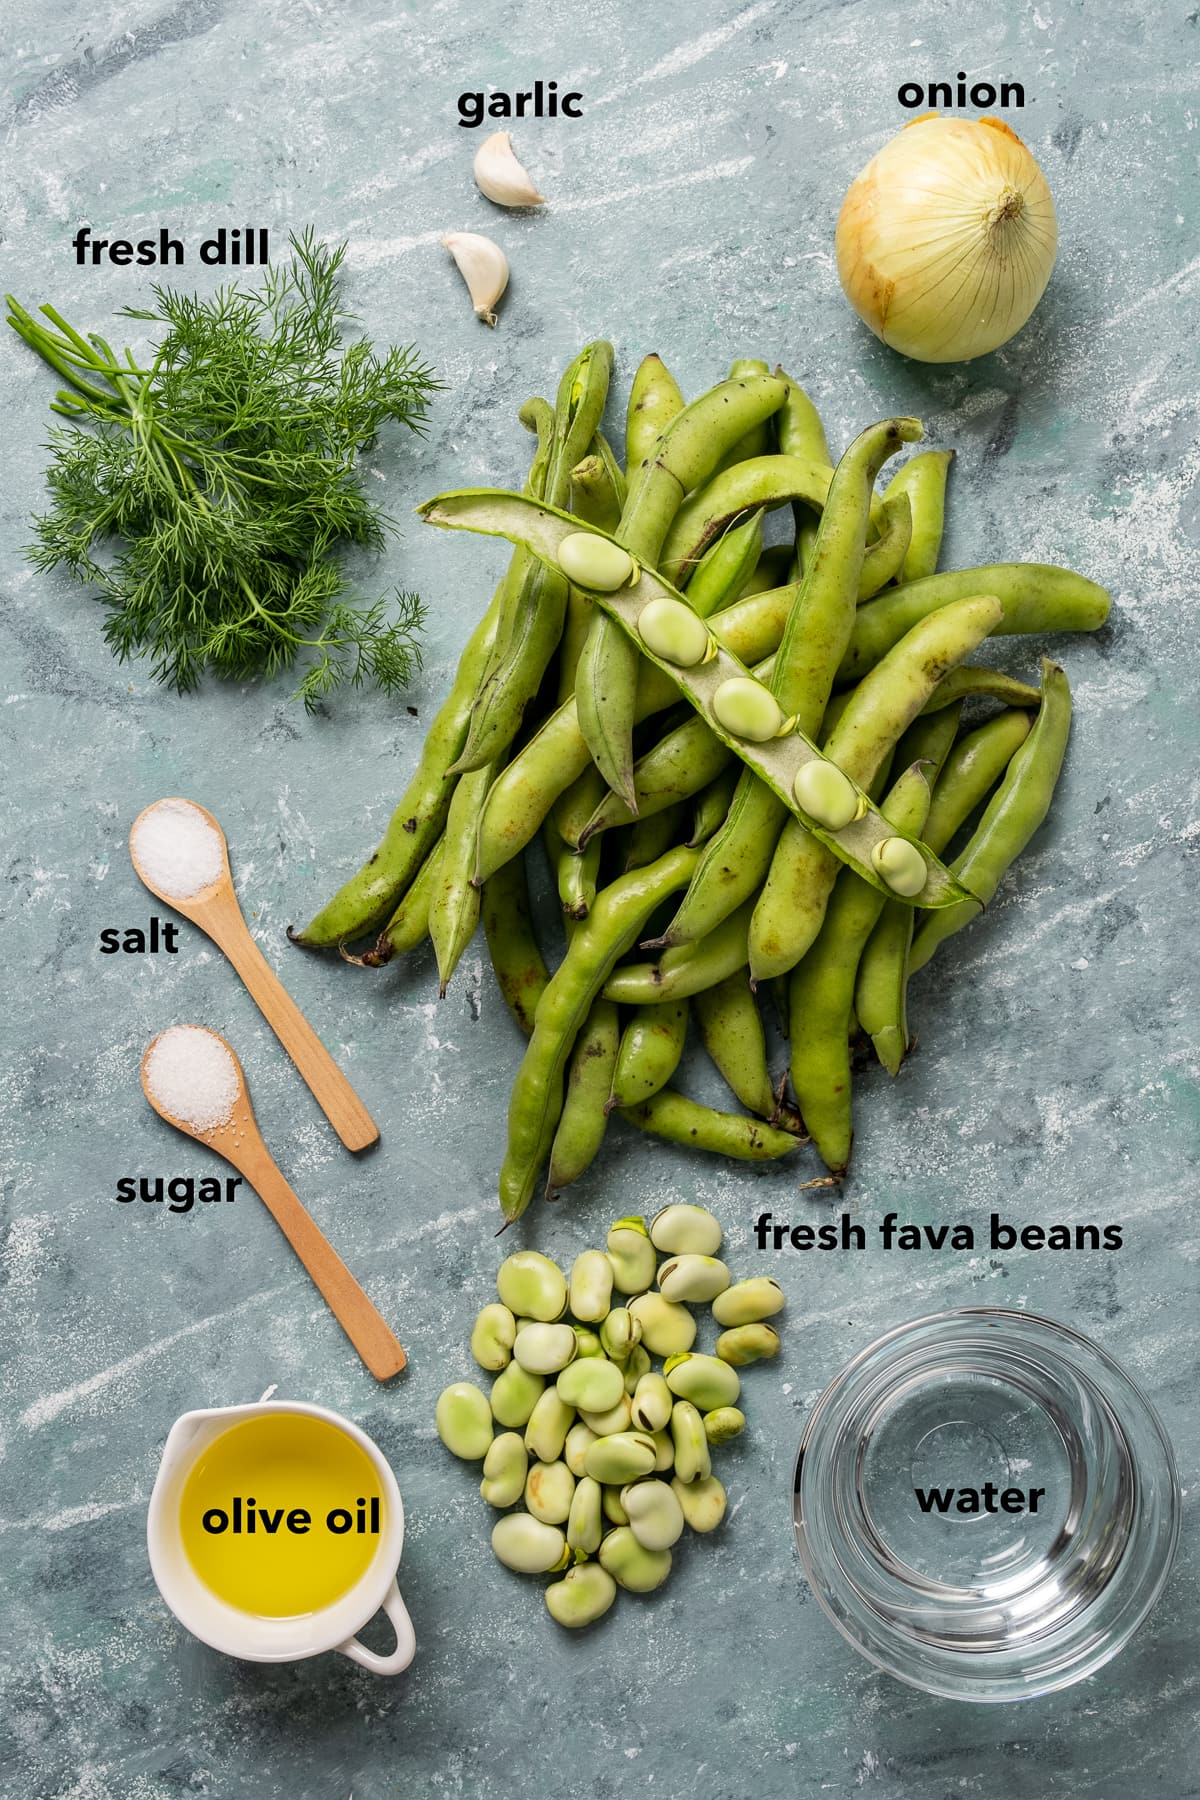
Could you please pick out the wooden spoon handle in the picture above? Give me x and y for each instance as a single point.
(330, 1088)
(371, 1336)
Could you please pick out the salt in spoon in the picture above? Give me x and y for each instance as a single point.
(219, 1114)
(214, 908)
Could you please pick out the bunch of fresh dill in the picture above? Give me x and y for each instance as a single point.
(207, 495)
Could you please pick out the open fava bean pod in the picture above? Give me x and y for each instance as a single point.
(737, 707)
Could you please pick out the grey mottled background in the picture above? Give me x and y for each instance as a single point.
(692, 212)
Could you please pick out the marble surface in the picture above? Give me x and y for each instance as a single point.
(691, 213)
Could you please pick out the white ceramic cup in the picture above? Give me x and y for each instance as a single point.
(249, 1635)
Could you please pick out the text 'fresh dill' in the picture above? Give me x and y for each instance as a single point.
(207, 495)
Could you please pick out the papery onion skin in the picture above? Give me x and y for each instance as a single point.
(946, 240)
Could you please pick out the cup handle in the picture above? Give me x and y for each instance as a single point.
(406, 1641)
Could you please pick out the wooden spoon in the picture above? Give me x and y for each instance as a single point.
(216, 911)
(239, 1141)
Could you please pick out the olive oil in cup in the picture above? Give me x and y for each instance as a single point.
(274, 1534)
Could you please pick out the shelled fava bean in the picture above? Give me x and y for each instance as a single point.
(606, 1459)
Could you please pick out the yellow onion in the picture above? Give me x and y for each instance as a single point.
(946, 240)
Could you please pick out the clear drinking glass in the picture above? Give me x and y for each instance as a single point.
(970, 1590)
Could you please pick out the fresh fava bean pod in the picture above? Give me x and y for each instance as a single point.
(536, 597)
(370, 895)
(537, 1096)
(1033, 597)
(614, 1465)
(922, 482)
(542, 530)
(684, 1121)
(513, 950)
(816, 633)
(762, 481)
(1016, 809)
(683, 456)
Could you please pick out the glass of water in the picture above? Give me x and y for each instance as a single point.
(985, 1504)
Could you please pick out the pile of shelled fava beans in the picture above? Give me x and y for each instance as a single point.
(743, 763)
(604, 1459)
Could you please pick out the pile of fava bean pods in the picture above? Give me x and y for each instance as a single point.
(596, 1460)
(743, 763)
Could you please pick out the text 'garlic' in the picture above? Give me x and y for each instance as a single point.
(483, 266)
(501, 177)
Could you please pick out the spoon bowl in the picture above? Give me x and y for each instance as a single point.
(237, 1138)
(215, 910)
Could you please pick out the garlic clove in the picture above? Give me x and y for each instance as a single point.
(483, 266)
(501, 177)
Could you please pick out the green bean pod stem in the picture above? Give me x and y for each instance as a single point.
(922, 479)
(798, 426)
(683, 455)
(612, 468)
(373, 893)
(967, 774)
(654, 400)
(651, 1046)
(671, 1115)
(1012, 815)
(515, 954)
(611, 928)
(409, 924)
(583, 1120)
(687, 969)
(792, 904)
(454, 899)
(821, 998)
(732, 1028)
(735, 862)
(557, 754)
(1033, 596)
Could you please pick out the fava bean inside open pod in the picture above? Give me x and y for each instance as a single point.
(740, 721)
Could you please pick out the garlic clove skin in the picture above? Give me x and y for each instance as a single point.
(501, 177)
(483, 266)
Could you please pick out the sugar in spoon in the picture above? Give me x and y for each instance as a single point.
(179, 853)
(194, 1081)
